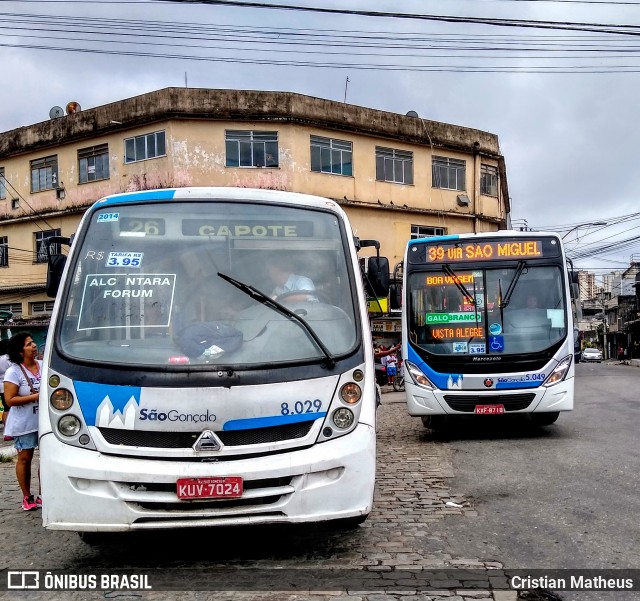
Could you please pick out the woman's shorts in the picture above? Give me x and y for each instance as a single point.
(391, 370)
(26, 441)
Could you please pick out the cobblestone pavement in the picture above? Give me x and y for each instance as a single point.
(401, 537)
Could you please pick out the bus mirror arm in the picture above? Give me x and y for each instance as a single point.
(367, 243)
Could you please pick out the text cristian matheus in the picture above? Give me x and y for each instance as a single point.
(574, 583)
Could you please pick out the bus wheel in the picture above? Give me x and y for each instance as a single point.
(545, 419)
(434, 422)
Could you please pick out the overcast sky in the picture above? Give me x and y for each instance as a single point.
(563, 103)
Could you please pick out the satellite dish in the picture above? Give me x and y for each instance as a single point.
(56, 112)
(412, 114)
(73, 107)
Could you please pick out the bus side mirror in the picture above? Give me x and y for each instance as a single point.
(378, 275)
(55, 268)
(395, 297)
(575, 291)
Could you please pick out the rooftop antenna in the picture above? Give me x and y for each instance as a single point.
(346, 85)
(73, 107)
(56, 112)
(185, 80)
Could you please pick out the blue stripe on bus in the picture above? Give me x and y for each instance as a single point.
(505, 385)
(431, 239)
(275, 420)
(91, 395)
(137, 196)
(441, 380)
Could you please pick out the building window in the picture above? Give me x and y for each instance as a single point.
(449, 173)
(141, 148)
(41, 307)
(15, 308)
(329, 155)
(3, 184)
(488, 180)
(424, 231)
(43, 248)
(44, 174)
(15, 203)
(251, 148)
(394, 165)
(93, 163)
(4, 251)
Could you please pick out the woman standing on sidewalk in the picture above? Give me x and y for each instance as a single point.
(4, 365)
(21, 391)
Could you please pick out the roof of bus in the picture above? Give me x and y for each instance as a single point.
(483, 236)
(204, 193)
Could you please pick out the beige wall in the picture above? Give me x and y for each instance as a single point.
(196, 157)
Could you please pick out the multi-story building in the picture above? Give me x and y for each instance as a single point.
(397, 176)
(611, 282)
(587, 284)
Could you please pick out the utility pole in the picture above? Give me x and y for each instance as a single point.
(346, 84)
(604, 327)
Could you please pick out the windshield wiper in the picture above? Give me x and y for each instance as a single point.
(261, 297)
(459, 285)
(512, 284)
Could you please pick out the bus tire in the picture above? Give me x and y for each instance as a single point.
(434, 422)
(545, 419)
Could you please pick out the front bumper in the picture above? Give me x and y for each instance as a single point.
(421, 402)
(86, 490)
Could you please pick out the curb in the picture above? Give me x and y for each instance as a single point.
(8, 451)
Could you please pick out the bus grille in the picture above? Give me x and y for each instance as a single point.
(185, 440)
(267, 492)
(467, 402)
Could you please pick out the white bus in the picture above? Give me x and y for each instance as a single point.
(188, 383)
(488, 326)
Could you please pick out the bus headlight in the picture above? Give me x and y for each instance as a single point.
(343, 418)
(417, 376)
(69, 425)
(61, 399)
(559, 373)
(351, 393)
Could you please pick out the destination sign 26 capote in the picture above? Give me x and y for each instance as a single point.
(461, 251)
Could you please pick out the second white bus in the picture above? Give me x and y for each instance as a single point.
(488, 327)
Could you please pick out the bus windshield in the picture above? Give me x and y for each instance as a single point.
(468, 311)
(147, 286)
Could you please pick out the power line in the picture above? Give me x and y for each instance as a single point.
(254, 40)
(7, 182)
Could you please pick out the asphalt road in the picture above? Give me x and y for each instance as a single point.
(562, 496)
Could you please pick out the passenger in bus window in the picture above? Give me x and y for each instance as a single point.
(280, 270)
(532, 302)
